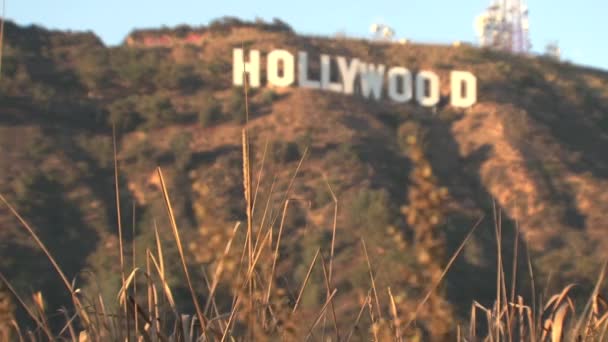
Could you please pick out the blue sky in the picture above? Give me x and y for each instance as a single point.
(578, 26)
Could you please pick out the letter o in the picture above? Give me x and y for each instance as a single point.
(433, 97)
(393, 77)
(273, 68)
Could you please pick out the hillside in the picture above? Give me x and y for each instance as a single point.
(410, 181)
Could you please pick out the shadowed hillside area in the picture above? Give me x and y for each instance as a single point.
(330, 191)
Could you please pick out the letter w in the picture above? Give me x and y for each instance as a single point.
(372, 78)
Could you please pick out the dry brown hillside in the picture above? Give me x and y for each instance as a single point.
(410, 181)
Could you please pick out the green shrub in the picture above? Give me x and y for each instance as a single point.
(224, 25)
(123, 114)
(210, 112)
(283, 152)
(38, 147)
(304, 141)
(603, 123)
(180, 145)
(371, 209)
(279, 25)
(156, 110)
(411, 133)
(345, 153)
(268, 97)
(42, 198)
(215, 74)
(93, 67)
(141, 154)
(9, 66)
(322, 195)
(306, 251)
(237, 106)
(99, 147)
(449, 114)
(178, 77)
(136, 68)
(42, 95)
(153, 111)
(295, 216)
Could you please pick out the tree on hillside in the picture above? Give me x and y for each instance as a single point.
(124, 115)
(135, 68)
(178, 77)
(41, 197)
(210, 110)
(237, 105)
(156, 110)
(93, 67)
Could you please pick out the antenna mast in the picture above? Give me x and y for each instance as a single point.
(504, 26)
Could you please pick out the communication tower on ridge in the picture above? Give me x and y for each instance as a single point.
(504, 26)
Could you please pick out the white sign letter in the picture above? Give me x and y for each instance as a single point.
(303, 80)
(252, 68)
(326, 76)
(433, 95)
(273, 68)
(393, 78)
(371, 80)
(460, 80)
(348, 73)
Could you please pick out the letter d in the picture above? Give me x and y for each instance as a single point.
(464, 89)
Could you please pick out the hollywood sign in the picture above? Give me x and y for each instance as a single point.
(374, 79)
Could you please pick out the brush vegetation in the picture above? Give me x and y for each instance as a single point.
(144, 198)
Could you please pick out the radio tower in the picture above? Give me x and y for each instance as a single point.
(504, 26)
